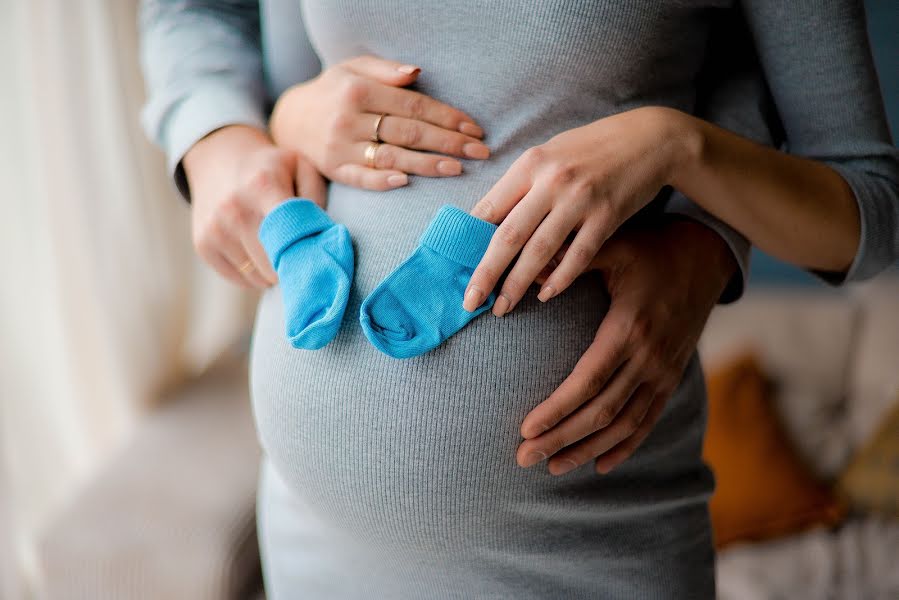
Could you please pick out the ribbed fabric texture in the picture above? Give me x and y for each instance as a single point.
(400, 474)
(313, 257)
(419, 305)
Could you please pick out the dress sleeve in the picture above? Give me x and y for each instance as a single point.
(817, 61)
(203, 69)
(731, 93)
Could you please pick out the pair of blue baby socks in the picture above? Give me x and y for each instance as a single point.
(413, 310)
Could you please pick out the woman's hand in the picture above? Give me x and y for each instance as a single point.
(664, 282)
(591, 180)
(236, 177)
(332, 118)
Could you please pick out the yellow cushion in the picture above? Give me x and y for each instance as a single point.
(763, 489)
(871, 481)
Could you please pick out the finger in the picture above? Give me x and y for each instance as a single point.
(605, 355)
(595, 415)
(388, 72)
(415, 105)
(539, 250)
(578, 257)
(230, 246)
(266, 182)
(393, 158)
(256, 253)
(504, 195)
(370, 179)
(625, 424)
(418, 135)
(310, 183)
(625, 449)
(506, 242)
(224, 268)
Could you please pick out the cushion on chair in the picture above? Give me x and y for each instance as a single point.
(763, 490)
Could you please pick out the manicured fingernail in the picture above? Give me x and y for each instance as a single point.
(469, 128)
(501, 306)
(474, 150)
(398, 180)
(533, 457)
(473, 298)
(565, 465)
(546, 292)
(449, 167)
(603, 470)
(408, 69)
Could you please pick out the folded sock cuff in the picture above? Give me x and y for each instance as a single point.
(458, 236)
(290, 221)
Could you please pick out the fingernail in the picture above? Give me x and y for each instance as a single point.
(408, 69)
(501, 306)
(469, 128)
(473, 298)
(533, 457)
(449, 167)
(565, 465)
(475, 150)
(546, 292)
(398, 180)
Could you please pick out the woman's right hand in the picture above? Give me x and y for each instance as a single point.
(331, 119)
(237, 176)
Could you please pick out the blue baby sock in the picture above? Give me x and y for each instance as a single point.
(419, 304)
(313, 257)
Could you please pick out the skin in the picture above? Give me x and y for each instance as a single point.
(238, 174)
(589, 180)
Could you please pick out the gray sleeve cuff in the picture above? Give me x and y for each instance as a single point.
(877, 199)
(205, 109)
(739, 245)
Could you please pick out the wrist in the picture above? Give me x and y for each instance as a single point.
(702, 245)
(223, 145)
(686, 138)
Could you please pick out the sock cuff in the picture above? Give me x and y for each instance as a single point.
(290, 221)
(458, 236)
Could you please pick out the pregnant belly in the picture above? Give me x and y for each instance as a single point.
(416, 450)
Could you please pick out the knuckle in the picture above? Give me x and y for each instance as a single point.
(582, 253)
(410, 133)
(415, 106)
(562, 175)
(509, 234)
(483, 210)
(386, 157)
(485, 273)
(602, 417)
(541, 246)
(354, 90)
(513, 288)
(630, 423)
(533, 157)
(640, 329)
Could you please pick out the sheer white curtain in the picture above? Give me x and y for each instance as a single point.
(103, 302)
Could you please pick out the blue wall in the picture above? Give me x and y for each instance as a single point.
(883, 27)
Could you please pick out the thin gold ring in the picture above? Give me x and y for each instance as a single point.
(246, 267)
(376, 137)
(370, 151)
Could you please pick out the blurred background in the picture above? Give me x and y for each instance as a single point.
(127, 451)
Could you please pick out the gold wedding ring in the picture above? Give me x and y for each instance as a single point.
(376, 137)
(246, 267)
(370, 151)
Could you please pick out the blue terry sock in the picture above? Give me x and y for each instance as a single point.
(419, 304)
(313, 257)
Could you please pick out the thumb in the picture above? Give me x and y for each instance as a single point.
(388, 72)
(309, 182)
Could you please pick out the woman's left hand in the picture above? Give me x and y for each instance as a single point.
(663, 281)
(591, 180)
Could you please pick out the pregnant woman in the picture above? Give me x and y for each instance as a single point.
(389, 478)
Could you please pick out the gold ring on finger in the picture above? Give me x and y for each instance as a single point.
(370, 151)
(246, 267)
(376, 136)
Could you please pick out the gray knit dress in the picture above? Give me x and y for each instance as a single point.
(396, 479)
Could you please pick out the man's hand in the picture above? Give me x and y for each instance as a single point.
(664, 281)
(237, 176)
